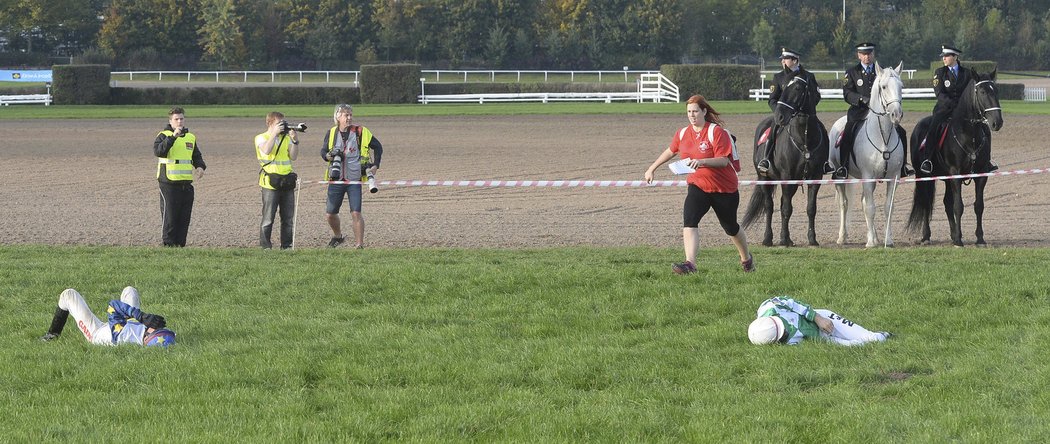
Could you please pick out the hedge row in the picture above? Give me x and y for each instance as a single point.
(714, 82)
(982, 66)
(255, 95)
(80, 84)
(398, 83)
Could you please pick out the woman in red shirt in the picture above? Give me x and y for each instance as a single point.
(712, 186)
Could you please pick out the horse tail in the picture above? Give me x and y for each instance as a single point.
(756, 207)
(922, 204)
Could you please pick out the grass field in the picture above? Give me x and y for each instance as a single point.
(527, 345)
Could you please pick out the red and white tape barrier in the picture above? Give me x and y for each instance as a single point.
(662, 183)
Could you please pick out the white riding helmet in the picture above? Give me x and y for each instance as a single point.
(765, 330)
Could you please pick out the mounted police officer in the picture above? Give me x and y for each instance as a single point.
(792, 68)
(857, 91)
(949, 83)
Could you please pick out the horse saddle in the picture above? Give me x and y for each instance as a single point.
(942, 130)
(765, 136)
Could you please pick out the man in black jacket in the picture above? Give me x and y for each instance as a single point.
(792, 68)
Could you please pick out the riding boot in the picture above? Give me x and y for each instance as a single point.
(766, 163)
(986, 143)
(58, 322)
(905, 170)
(846, 149)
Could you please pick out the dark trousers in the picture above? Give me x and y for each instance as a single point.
(176, 206)
(273, 200)
(698, 202)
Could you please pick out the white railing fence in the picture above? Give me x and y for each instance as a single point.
(432, 75)
(1035, 94)
(836, 93)
(655, 87)
(26, 99)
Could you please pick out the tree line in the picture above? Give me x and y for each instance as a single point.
(515, 34)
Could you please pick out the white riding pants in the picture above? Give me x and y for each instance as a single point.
(846, 332)
(94, 329)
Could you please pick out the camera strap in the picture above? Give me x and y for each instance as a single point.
(277, 150)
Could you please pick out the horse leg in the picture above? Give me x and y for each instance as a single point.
(787, 192)
(953, 209)
(978, 208)
(891, 189)
(868, 201)
(843, 199)
(811, 213)
(767, 237)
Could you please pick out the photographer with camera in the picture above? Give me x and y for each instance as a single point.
(353, 155)
(276, 149)
(179, 160)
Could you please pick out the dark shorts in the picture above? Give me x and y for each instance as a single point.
(336, 191)
(698, 202)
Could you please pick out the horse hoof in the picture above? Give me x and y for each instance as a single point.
(889, 245)
(767, 243)
(981, 245)
(924, 242)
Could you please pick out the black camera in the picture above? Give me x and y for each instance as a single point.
(285, 127)
(185, 130)
(335, 172)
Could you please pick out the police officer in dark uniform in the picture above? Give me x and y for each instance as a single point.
(857, 91)
(790, 61)
(949, 83)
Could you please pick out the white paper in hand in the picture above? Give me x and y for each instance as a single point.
(681, 167)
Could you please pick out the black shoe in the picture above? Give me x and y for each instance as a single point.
(828, 168)
(763, 166)
(840, 174)
(336, 241)
(992, 166)
(926, 167)
(907, 171)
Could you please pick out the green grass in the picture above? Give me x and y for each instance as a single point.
(568, 345)
(325, 111)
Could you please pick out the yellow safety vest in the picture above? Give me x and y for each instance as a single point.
(279, 160)
(179, 163)
(366, 139)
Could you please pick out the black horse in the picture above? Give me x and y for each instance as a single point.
(966, 147)
(800, 150)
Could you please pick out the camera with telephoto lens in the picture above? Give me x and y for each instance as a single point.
(372, 188)
(285, 127)
(335, 172)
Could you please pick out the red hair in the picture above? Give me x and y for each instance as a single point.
(712, 115)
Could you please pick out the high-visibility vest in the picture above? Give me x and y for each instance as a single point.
(179, 163)
(364, 139)
(279, 160)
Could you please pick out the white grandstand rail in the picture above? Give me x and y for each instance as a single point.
(16, 99)
(433, 75)
(464, 76)
(835, 93)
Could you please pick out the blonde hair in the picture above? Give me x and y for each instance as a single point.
(274, 116)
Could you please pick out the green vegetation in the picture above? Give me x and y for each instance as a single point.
(574, 344)
(220, 111)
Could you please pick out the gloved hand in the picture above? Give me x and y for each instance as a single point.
(153, 321)
(863, 102)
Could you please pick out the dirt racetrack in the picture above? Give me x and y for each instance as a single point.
(91, 182)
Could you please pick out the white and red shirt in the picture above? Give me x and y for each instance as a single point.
(690, 144)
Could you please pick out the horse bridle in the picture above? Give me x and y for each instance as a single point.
(805, 96)
(977, 100)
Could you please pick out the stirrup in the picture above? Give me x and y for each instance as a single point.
(828, 168)
(926, 166)
(840, 173)
(763, 166)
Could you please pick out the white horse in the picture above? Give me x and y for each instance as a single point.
(878, 152)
